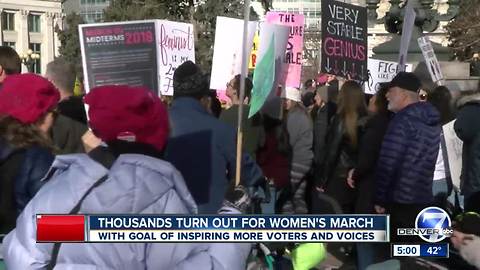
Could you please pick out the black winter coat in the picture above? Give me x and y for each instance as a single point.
(67, 135)
(467, 128)
(368, 153)
(340, 156)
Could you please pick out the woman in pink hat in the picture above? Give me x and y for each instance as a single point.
(27, 102)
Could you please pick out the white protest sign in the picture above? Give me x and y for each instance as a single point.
(454, 152)
(430, 59)
(227, 54)
(407, 28)
(175, 45)
(380, 71)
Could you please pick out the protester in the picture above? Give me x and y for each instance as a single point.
(10, 63)
(300, 131)
(309, 86)
(210, 143)
(362, 176)
(70, 123)
(27, 104)
(467, 128)
(408, 155)
(442, 186)
(441, 99)
(215, 104)
(252, 129)
(466, 237)
(137, 182)
(322, 114)
(342, 142)
(308, 100)
(62, 75)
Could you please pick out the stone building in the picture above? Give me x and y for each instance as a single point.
(30, 25)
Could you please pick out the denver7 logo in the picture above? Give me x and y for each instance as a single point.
(436, 223)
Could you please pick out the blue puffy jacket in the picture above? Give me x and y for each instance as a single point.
(31, 166)
(408, 156)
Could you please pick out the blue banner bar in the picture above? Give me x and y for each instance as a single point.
(238, 222)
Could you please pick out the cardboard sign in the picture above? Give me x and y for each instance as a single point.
(294, 53)
(227, 54)
(344, 40)
(119, 53)
(380, 71)
(454, 152)
(176, 45)
(407, 29)
(430, 59)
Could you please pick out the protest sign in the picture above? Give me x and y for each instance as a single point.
(263, 78)
(454, 152)
(175, 45)
(430, 59)
(380, 71)
(344, 40)
(271, 53)
(407, 29)
(227, 54)
(253, 55)
(119, 53)
(294, 53)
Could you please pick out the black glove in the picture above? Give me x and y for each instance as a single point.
(237, 197)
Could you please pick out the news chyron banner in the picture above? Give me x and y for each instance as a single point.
(119, 54)
(344, 40)
(219, 228)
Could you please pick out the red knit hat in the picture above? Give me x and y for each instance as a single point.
(27, 97)
(131, 113)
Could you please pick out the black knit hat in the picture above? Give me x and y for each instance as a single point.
(188, 80)
(407, 81)
(468, 223)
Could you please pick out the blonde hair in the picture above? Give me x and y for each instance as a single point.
(351, 106)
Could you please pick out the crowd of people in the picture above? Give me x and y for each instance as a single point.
(327, 148)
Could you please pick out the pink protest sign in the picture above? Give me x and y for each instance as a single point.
(294, 53)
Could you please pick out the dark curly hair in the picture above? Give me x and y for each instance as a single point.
(21, 135)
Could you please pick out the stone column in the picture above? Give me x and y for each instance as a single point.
(21, 23)
(48, 48)
(57, 22)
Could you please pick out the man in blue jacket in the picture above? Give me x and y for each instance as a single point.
(408, 155)
(200, 146)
